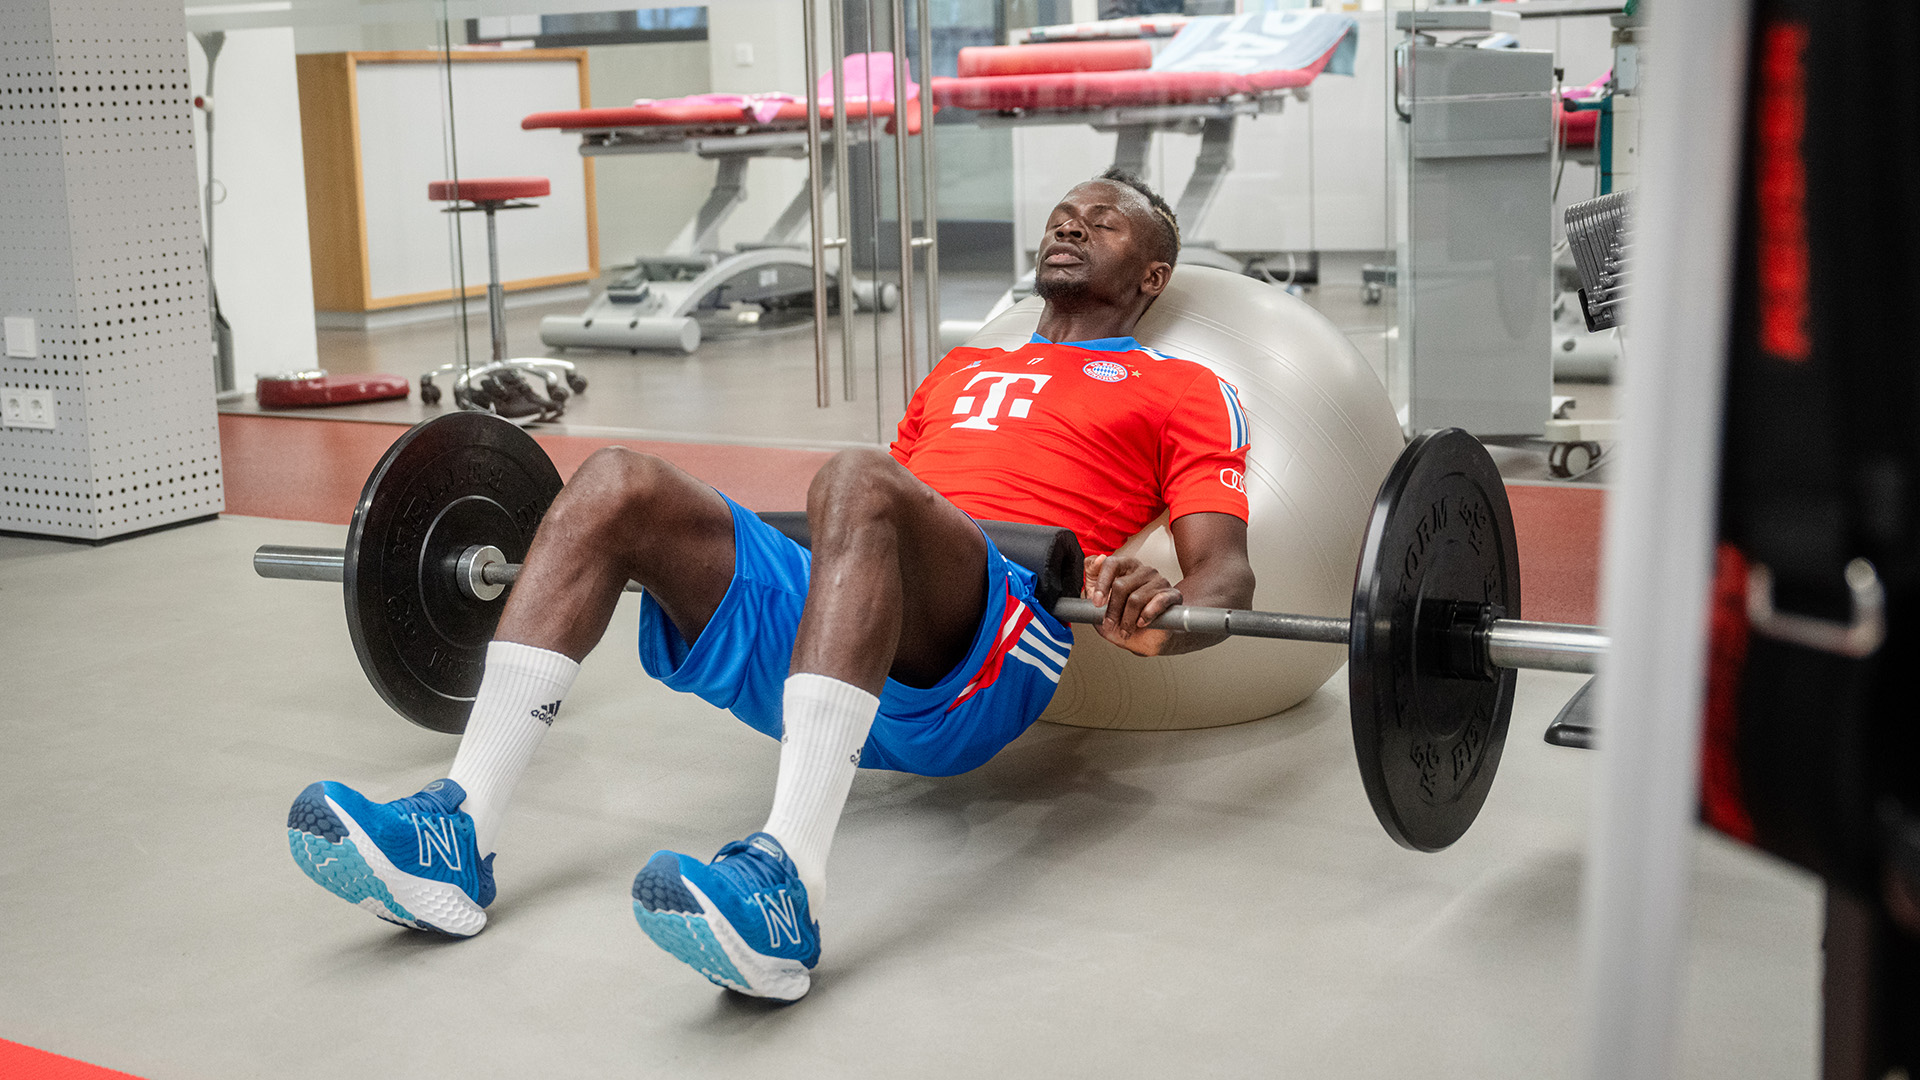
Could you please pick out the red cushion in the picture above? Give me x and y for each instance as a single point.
(1582, 129)
(978, 60)
(792, 114)
(1111, 89)
(1087, 89)
(495, 189)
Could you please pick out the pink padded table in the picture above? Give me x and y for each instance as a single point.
(718, 119)
(1090, 87)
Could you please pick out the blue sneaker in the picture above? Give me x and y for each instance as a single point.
(413, 861)
(742, 920)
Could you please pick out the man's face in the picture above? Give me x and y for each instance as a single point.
(1097, 246)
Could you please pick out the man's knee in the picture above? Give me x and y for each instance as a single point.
(613, 484)
(856, 483)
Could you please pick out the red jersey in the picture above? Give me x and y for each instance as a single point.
(1095, 436)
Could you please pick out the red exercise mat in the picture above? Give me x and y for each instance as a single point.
(307, 388)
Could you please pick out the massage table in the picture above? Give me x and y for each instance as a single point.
(671, 301)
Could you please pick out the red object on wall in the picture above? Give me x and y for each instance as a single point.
(309, 388)
(1780, 187)
(1722, 802)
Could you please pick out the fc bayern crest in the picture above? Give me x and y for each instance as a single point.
(1106, 371)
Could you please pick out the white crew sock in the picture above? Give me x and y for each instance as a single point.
(826, 724)
(519, 696)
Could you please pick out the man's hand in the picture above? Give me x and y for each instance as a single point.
(1134, 594)
(1213, 550)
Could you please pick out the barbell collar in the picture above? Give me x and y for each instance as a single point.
(1543, 646)
(300, 563)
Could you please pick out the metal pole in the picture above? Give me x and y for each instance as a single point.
(1202, 620)
(842, 194)
(822, 393)
(929, 187)
(907, 366)
(496, 293)
(1658, 543)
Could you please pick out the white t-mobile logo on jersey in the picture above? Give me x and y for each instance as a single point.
(996, 397)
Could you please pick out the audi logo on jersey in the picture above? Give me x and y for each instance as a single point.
(1002, 384)
(1233, 479)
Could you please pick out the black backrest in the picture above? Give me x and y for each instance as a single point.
(1052, 553)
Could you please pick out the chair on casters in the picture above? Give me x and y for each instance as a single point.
(500, 386)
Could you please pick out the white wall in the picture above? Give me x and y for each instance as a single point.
(261, 262)
(401, 124)
(645, 199)
(771, 30)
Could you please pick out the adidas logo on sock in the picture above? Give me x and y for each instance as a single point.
(546, 713)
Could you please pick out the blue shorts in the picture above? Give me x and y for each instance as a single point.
(740, 663)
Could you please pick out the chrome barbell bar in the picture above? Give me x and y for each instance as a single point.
(1511, 643)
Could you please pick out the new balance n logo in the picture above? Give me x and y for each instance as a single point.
(436, 836)
(995, 399)
(781, 918)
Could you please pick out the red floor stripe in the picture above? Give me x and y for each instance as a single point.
(312, 470)
(1558, 529)
(19, 1062)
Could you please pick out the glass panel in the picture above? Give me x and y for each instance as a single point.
(289, 209)
(698, 322)
(1294, 185)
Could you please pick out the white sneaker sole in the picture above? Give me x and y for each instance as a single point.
(410, 901)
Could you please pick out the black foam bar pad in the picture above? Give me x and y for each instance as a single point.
(1052, 553)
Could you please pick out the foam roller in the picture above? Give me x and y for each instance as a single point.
(646, 332)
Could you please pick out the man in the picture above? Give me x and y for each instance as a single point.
(903, 640)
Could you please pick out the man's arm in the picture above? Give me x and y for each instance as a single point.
(1211, 547)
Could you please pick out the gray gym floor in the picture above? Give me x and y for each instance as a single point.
(1209, 903)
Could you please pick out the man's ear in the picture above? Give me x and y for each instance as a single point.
(1155, 281)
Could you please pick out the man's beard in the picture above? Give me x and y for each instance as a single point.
(1059, 289)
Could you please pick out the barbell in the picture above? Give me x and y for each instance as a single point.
(446, 518)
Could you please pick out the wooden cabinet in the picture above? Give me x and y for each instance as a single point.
(377, 127)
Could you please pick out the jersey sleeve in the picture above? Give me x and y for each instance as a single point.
(1204, 451)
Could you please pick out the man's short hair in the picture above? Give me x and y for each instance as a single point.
(1168, 249)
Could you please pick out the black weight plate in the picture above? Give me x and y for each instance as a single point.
(1429, 744)
(451, 483)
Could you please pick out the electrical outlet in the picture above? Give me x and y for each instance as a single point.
(24, 407)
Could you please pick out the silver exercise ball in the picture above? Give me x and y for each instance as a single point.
(1323, 437)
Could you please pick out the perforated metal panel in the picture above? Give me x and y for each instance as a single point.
(100, 244)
